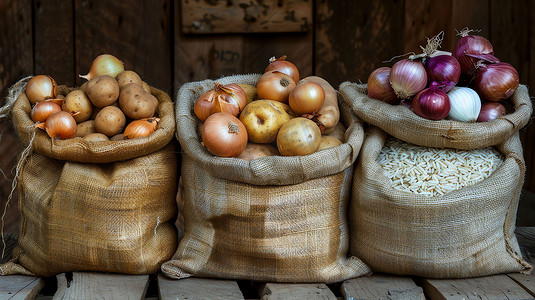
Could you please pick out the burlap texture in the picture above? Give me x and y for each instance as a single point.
(280, 219)
(465, 233)
(402, 123)
(115, 214)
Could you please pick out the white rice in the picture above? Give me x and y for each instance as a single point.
(433, 171)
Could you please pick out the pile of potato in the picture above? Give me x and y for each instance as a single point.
(106, 103)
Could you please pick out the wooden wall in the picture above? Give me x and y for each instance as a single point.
(344, 40)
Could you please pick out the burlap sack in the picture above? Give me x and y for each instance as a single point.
(280, 219)
(402, 123)
(464, 233)
(105, 207)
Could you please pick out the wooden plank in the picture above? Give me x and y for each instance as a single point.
(245, 16)
(472, 14)
(526, 208)
(354, 37)
(20, 287)
(528, 134)
(16, 62)
(197, 288)
(489, 287)
(382, 286)
(54, 40)
(526, 240)
(88, 285)
(425, 19)
(283, 291)
(136, 32)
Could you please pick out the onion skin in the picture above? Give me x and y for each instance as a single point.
(42, 110)
(491, 111)
(224, 135)
(59, 125)
(407, 78)
(431, 103)
(204, 105)
(379, 86)
(284, 66)
(275, 86)
(105, 64)
(140, 128)
(230, 98)
(444, 69)
(496, 82)
(306, 98)
(41, 88)
(469, 49)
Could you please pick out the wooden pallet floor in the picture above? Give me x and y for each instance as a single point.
(89, 285)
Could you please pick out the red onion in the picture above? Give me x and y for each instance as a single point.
(431, 103)
(496, 82)
(444, 69)
(407, 78)
(490, 111)
(379, 86)
(470, 49)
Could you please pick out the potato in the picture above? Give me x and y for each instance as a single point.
(250, 92)
(85, 128)
(126, 77)
(96, 110)
(102, 90)
(264, 118)
(110, 121)
(78, 101)
(328, 142)
(83, 86)
(146, 87)
(135, 102)
(254, 151)
(96, 137)
(117, 137)
(299, 136)
(338, 132)
(329, 113)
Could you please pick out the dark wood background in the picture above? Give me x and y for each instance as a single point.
(345, 40)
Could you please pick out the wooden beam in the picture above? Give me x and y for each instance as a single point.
(88, 285)
(489, 287)
(196, 288)
(283, 291)
(20, 287)
(382, 286)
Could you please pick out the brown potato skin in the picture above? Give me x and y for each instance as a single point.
(110, 121)
(264, 118)
(299, 136)
(102, 90)
(126, 77)
(329, 113)
(146, 87)
(77, 100)
(85, 128)
(251, 92)
(254, 151)
(117, 137)
(135, 102)
(328, 142)
(96, 137)
(338, 132)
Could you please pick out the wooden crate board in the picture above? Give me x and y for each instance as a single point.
(489, 287)
(382, 286)
(242, 16)
(283, 291)
(89, 285)
(526, 238)
(20, 287)
(197, 288)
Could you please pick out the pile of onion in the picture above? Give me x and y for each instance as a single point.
(422, 82)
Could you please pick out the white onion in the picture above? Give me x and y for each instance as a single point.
(465, 104)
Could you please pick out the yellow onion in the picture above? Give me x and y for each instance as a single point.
(228, 98)
(224, 135)
(379, 86)
(140, 128)
(41, 88)
(284, 66)
(105, 64)
(42, 110)
(59, 125)
(306, 98)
